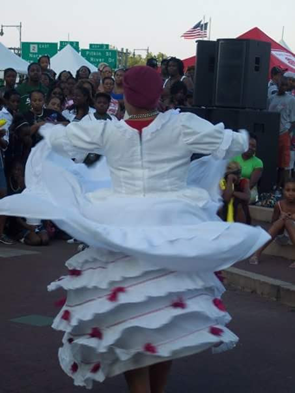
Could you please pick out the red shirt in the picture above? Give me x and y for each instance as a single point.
(139, 124)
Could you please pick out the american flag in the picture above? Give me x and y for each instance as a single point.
(198, 31)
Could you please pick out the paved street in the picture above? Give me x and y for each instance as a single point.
(263, 361)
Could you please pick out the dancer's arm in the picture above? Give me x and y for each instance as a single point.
(203, 137)
(76, 138)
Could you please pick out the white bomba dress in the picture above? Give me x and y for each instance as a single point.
(145, 290)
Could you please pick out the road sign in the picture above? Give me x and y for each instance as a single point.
(95, 57)
(31, 51)
(99, 46)
(74, 44)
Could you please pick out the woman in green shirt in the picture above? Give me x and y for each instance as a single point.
(252, 167)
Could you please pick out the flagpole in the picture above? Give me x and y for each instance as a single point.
(283, 32)
(210, 21)
(204, 18)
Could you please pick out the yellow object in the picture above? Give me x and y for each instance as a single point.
(230, 217)
(2, 123)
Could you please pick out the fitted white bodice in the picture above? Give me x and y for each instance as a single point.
(157, 160)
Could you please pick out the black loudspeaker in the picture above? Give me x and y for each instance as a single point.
(204, 73)
(241, 75)
(264, 125)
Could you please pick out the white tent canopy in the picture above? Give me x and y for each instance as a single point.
(69, 59)
(10, 60)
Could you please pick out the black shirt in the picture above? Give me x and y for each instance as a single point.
(48, 115)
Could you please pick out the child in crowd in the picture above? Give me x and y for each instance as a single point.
(44, 62)
(178, 93)
(9, 79)
(38, 115)
(10, 108)
(56, 91)
(283, 221)
(28, 231)
(46, 79)
(236, 195)
(82, 105)
(101, 103)
(54, 104)
(20, 141)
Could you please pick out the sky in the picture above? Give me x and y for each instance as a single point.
(137, 24)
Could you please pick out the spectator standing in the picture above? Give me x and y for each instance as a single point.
(9, 81)
(46, 79)
(11, 107)
(95, 79)
(292, 153)
(153, 63)
(71, 84)
(273, 85)
(284, 104)
(291, 80)
(190, 72)
(106, 72)
(55, 104)
(37, 116)
(108, 86)
(175, 69)
(164, 71)
(83, 73)
(4, 141)
(56, 92)
(178, 93)
(251, 167)
(101, 103)
(82, 105)
(33, 83)
(9, 110)
(64, 75)
(20, 141)
(118, 90)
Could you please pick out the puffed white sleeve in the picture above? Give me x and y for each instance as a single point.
(77, 139)
(203, 137)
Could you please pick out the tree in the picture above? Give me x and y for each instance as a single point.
(134, 59)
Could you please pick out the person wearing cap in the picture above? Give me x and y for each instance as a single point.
(276, 73)
(144, 292)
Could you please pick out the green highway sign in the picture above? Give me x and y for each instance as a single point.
(31, 51)
(99, 46)
(74, 44)
(95, 57)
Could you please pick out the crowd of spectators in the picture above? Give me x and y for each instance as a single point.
(45, 97)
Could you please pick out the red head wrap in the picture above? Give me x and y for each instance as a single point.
(142, 87)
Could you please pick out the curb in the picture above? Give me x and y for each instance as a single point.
(280, 291)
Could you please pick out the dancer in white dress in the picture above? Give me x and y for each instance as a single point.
(145, 291)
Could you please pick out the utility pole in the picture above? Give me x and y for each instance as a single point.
(19, 27)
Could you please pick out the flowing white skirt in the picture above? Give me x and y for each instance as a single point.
(145, 291)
